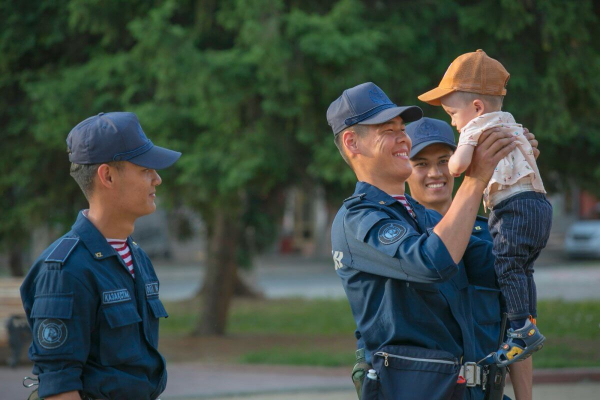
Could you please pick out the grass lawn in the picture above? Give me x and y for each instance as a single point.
(572, 331)
(320, 333)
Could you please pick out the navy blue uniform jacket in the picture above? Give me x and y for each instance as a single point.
(94, 327)
(401, 282)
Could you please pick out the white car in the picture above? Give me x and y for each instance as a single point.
(583, 239)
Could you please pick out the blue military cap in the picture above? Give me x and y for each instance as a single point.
(366, 104)
(116, 136)
(428, 131)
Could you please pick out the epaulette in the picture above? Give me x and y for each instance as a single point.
(62, 251)
(352, 200)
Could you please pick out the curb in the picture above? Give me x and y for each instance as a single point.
(566, 375)
(242, 394)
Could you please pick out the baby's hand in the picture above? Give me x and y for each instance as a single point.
(532, 141)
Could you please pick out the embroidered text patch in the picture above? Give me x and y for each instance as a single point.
(152, 289)
(115, 296)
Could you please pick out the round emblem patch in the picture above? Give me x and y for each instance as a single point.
(391, 233)
(52, 333)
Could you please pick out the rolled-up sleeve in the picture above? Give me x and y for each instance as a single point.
(61, 316)
(393, 248)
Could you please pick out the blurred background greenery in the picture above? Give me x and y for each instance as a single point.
(317, 332)
(241, 88)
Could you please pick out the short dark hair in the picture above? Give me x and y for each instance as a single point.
(84, 175)
(492, 102)
(360, 130)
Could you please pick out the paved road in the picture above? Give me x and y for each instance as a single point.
(195, 381)
(581, 391)
(201, 380)
(294, 276)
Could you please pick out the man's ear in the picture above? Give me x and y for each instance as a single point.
(479, 106)
(105, 175)
(350, 141)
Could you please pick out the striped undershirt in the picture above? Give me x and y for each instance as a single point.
(406, 204)
(122, 248)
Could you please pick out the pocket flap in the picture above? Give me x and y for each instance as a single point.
(157, 308)
(410, 369)
(121, 314)
(59, 306)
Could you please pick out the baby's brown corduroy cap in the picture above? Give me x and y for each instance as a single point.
(471, 72)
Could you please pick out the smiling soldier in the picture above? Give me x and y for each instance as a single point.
(91, 298)
(402, 265)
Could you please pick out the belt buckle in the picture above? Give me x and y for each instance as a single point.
(472, 374)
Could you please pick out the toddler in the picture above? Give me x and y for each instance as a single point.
(471, 92)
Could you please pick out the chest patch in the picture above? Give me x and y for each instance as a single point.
(391, 233)
(115, 296)
(52, 333)
(152, 289)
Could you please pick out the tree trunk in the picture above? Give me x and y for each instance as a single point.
(220, 275)
(241, 288)
(15, 260)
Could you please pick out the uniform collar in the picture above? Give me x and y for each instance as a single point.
(373, 193)
(94, 241)
(376, 195)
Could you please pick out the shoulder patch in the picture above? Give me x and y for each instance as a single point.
(62, 251)
(52, 333)
(391, 233)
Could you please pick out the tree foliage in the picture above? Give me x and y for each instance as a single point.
(241, 88)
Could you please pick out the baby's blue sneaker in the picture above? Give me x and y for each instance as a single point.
(511, 352)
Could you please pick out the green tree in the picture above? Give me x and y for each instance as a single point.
(31, 192)
(241, 88)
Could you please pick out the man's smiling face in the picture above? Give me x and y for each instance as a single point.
(430, 182)
(385, 150)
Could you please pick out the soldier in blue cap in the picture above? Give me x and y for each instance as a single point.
(405, 269)
(92, 297)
